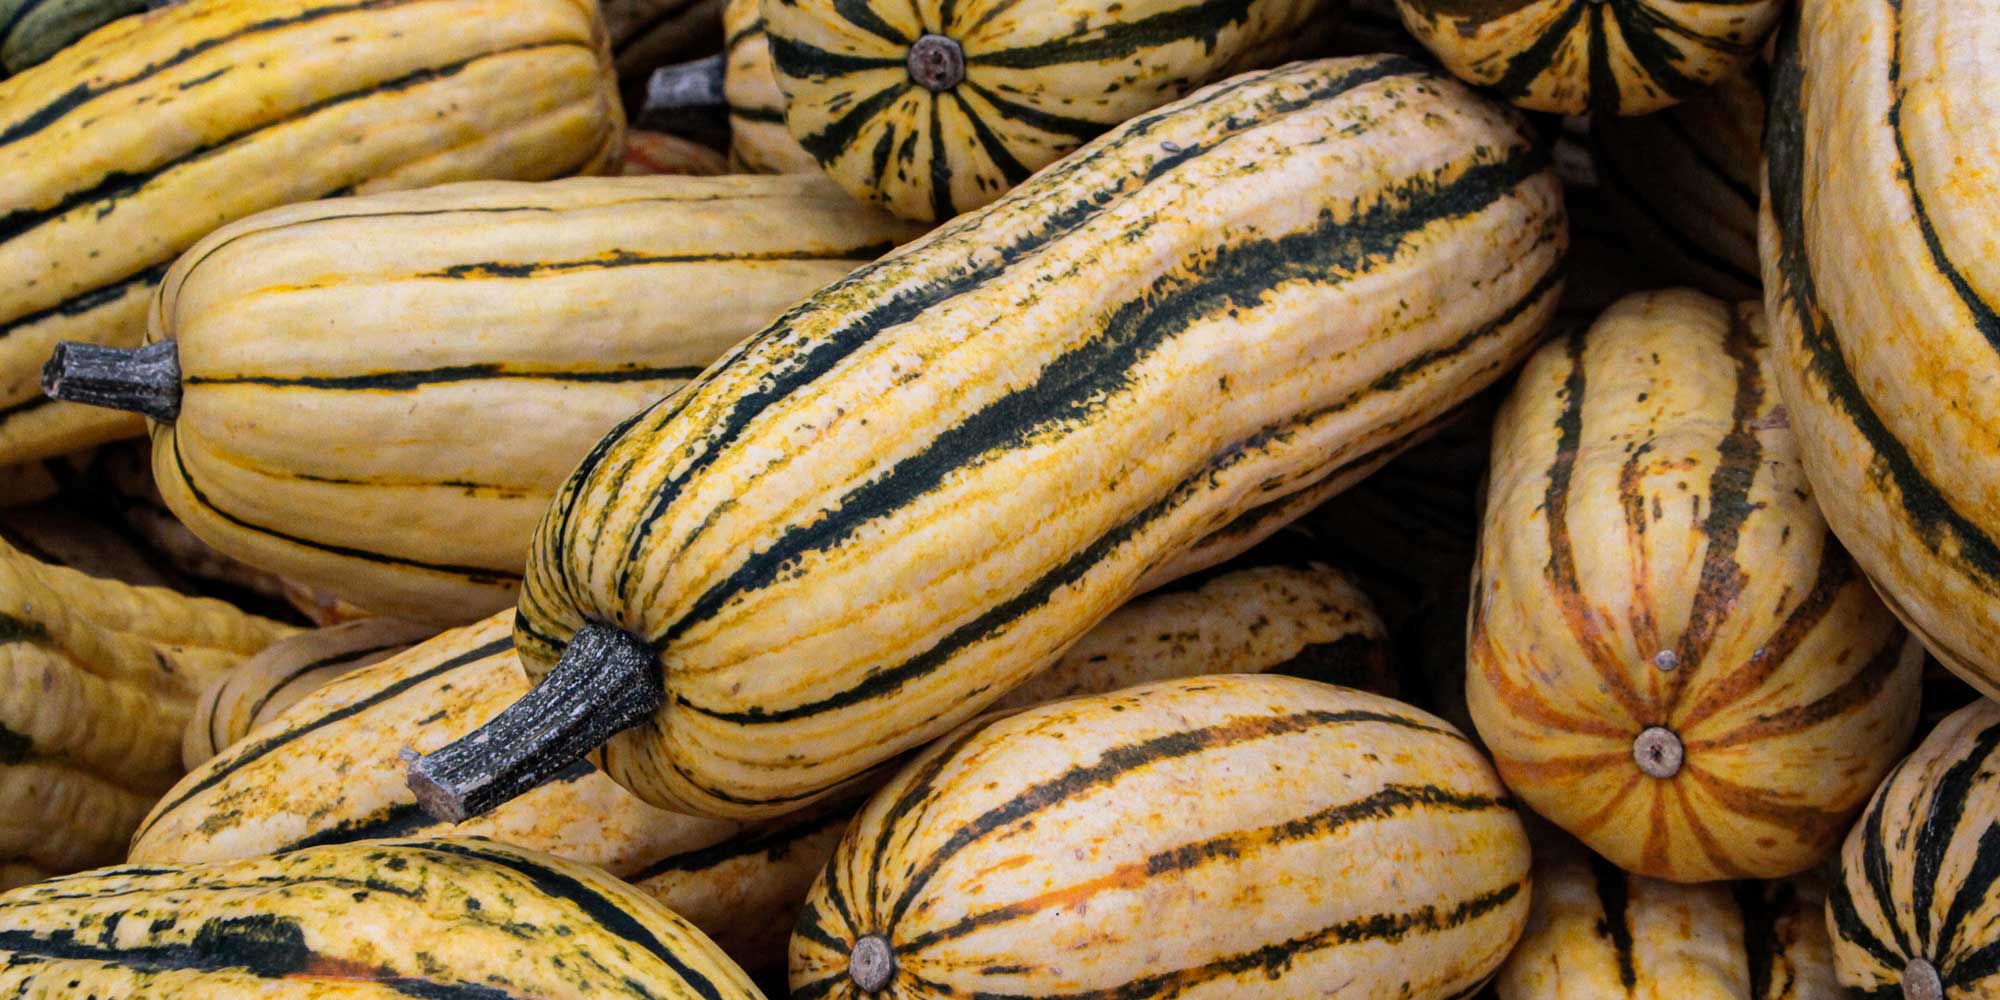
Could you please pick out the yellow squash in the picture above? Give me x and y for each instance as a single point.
(1669, 654)
(127, 147)
(759, 142)
(1224, 836)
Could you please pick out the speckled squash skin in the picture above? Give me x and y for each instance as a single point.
(1669, 654)
(1608, 57)
(1039, 78)
(434, 918)
(1882, 116)
(1597, 932)
(129, 146)
(759, 141)
(1208, 837)
(97, 680)
(1915, 899)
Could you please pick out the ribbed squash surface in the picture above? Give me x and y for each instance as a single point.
(131, 145)
(918, 488)
(1611, 57)
(1881, 115)
(391, 429)
(433, 919)
(759, 141)
(1653, 573)
(1039, 77)
(1218, 836)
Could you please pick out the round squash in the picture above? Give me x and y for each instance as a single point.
(759, 142)
(1609, 57)
(1669, 655)
(1208, 837)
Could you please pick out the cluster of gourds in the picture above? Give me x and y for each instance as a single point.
(1017, 498)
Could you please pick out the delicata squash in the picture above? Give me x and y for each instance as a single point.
(837, 544)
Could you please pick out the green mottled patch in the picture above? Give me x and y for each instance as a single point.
(14, 629)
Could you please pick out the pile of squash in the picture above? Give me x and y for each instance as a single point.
(1429, 499)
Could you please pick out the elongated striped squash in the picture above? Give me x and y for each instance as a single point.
(1683, 184)
(646, 34)
(740, 883)
(935, 108)
(1913, 913)
(1610, 57)
(300, 427)
(759, 141)
(1596, 932)
(1886, 359)
(434, 919)
(1669, 654)
(33, 30)
(131, 145)
(97, 680)
(287, 670)
(1208, 837)
(918, 488)
(649, 153)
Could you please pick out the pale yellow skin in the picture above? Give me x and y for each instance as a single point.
(439, 483)
(1646, 507)
(1541, 54)
(1677, 942)
(1882, 342)
(759, 142)
(287, 670)
(97, 680)
(1222, 836)
(520, 89)
(365, 921)
(1336, 368)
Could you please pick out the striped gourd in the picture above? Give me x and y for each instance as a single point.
(661, 153)
(1886, 358)
(1596, 932)
(390, 429)
(759, 142)
(440, 919)
(1669, 655)
(739, 883)
(1914, 911)
(648, 33)
(134, 143)
(934, 108)
(287, 670)
(33, 30)
(1611, 57)
(97, 680)
(918, 488)
(1220, 836)
(1683, 184)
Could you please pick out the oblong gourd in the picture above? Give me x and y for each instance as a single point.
(935, 108)
(1914, 911)
(1319, 259)
(34, 30)
(759, 141)
(661, 153)
(326, 770)
(1339, 842)
(437, 918)
(1669, 654)
(1683, 184)
(1575, 56)
(306, 431)
(264, 685)
(1597, 932)
(1876, 113)
(127, 147)
(97, 680)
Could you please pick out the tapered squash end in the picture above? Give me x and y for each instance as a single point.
(607, 680)
(144, 380)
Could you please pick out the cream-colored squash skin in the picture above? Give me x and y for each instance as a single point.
(840, 539)
(1629, 57)
(759, 142)
(1652, 562)
(317, 438)
(1222, 836)
(132, 144)
(437, 918)
(1880, 116)
(1597, 932)
(264, 685)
